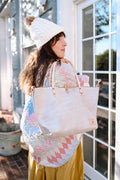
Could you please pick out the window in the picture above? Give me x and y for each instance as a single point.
(97, 36)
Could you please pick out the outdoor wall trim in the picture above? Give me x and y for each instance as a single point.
(3, 5)
(78, 1)
(45, 12)
(20, 38)
(16, 56)
(81, 1)
(93, 174)
(5, 11)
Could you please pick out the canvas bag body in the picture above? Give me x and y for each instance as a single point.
(50, 151)
(65, 111)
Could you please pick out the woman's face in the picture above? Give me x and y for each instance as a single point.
(59, 47)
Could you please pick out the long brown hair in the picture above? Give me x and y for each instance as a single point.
(37, 64)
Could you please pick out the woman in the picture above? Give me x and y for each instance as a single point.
(50, 158)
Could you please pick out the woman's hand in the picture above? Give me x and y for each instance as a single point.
(63, 60)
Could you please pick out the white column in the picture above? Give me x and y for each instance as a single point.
(5, 66)
(3, 72)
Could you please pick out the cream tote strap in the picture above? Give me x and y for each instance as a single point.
(52, 76)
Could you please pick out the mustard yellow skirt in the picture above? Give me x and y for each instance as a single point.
(72, 170)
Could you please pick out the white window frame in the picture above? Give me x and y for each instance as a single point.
(88, 169)
(117, 155)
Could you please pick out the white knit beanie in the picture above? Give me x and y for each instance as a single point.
(42, 30)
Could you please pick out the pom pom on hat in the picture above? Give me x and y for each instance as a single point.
(29, 20)
(42, 30)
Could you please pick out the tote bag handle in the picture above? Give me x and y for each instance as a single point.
(52, 76)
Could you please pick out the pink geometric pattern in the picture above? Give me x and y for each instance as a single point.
(46, 150)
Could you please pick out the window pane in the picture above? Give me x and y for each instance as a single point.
(114, 16)
(102, 17)
(87, 22)
(113, 91)
(102, 131)
(113, 52)
(112, 130)
(88, 149)
(101, 159)
(103, 89)
(88, 55)
(102, 53)
(112, 164)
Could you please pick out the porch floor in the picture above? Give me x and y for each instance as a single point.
(14, 167)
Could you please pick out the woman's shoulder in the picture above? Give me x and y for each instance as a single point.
(65, 76)
(64, 68)
(67, 69)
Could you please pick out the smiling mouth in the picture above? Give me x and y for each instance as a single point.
(62, 49)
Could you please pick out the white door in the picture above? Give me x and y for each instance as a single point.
(97, 47)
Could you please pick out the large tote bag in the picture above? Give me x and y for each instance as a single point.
(65, 111)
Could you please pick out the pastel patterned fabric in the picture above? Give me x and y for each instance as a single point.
(45, 150)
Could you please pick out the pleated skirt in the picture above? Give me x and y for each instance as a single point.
(71, 170)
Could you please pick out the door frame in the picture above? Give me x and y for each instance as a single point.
(80, 4)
